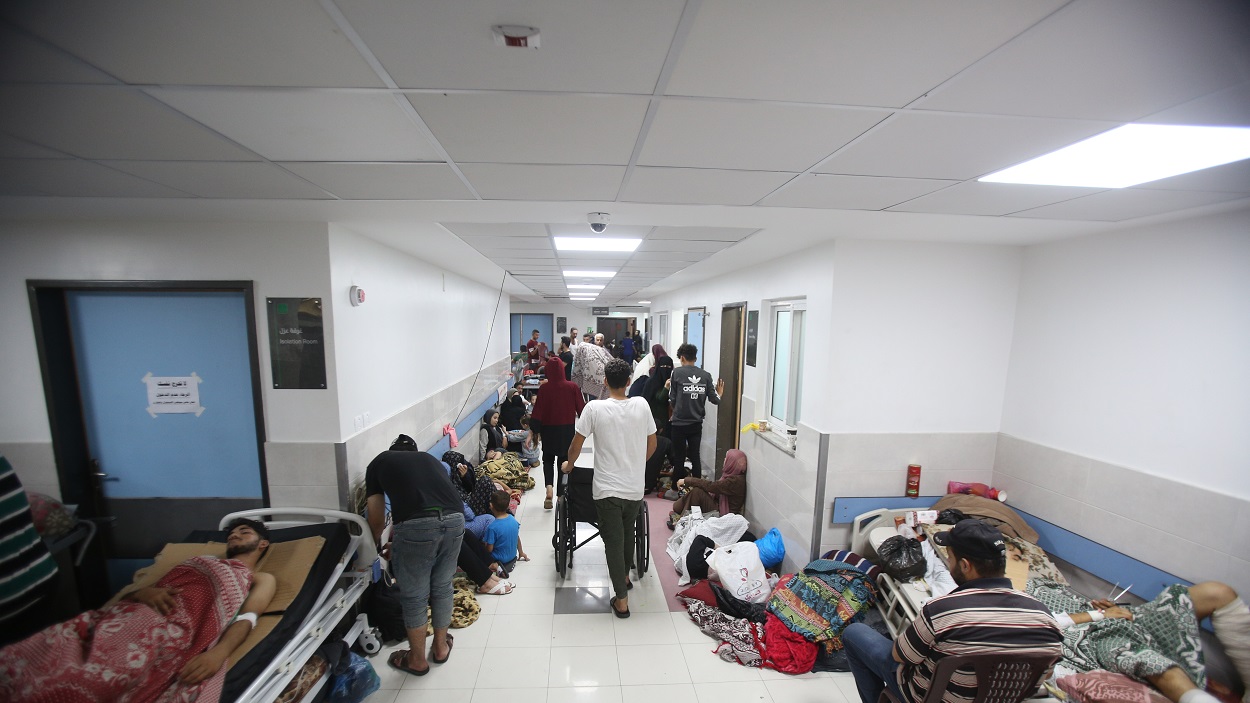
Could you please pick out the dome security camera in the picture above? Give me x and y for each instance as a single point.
(598, 221)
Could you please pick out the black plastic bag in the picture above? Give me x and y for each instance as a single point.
(950, 516)
(696, 562)
(902, 558)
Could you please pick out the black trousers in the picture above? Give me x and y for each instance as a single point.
(686, 440)
(474, 559)
(555, 441)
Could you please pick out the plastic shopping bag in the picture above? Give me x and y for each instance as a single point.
(740, 571)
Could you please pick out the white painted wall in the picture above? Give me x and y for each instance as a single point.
(920, 338)
(1131, 348)
(286, 260)
(420, 330)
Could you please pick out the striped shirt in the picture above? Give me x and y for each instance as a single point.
(25, 564)
(983, 615)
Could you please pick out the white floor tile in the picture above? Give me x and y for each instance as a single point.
(459, 672)
(659, 693)
(583, 630)
(526, 600)
(474, 635)
(520, 631)
(383, 695)
(644, 628)
(505, 667)
(808, 691)
(494, 695)
(652, 664)
(583, 666)
(585, 694)
(687, 631)
(705, 666)
(774, 675)
(846, 684)
(455, 695)
(733, 692)
(648, 600)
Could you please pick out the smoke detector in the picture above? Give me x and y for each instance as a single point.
(515, 35)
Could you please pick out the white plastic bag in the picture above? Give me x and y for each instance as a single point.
(740, 571)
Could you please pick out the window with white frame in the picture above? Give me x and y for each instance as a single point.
(661, 329)
(786, 384)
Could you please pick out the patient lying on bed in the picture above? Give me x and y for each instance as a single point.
(1157, 641)
(166, 642)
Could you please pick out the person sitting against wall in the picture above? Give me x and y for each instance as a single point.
(491, 441)
(1156, 642)
(726, 495)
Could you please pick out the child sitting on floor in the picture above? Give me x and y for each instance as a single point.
(530, 455)
(503, 537)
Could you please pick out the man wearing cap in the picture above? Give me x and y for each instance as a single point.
(983, 615)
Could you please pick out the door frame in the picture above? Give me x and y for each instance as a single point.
(731, 430)
(57, 363)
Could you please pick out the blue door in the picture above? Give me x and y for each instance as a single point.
(694, 331)
(168, 401)
(523, 326)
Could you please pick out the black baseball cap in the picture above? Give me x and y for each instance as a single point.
(974, 539)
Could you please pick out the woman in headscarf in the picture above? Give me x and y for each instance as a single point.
(647, 363)
(556, 408)
(656, 393)
(474, 558)
(726, 495)
(491, 442)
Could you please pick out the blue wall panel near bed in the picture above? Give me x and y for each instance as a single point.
(466, 426)
(1102, 561)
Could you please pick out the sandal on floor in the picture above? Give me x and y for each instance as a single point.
(399, 660)
(502, 588)
(450, 642)
(547, 504)
(618, 613)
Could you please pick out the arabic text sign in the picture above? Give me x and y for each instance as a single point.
(173, 394)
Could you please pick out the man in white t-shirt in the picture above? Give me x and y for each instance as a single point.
(624, 432)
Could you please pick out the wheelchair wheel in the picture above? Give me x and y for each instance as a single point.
(642, 540)
(561, 539)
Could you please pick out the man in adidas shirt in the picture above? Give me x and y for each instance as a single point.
(688, 388)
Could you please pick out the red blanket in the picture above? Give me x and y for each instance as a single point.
(130, 653)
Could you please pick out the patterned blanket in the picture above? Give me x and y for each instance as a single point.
(508, 471)
(820, 602)
(129, 652)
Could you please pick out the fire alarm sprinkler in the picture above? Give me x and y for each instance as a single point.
(357, 295)
(515, 35)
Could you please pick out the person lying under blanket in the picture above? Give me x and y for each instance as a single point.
(169, 641)
(1157, 641)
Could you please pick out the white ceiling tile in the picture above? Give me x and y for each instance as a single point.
(604, 260)
(586, 46)
(1126, 204)
(520, 253)
(673, 257)
(1229, 178)
(504, 241)
(701, 186)
(100, 122)
(976, 198)
(75, 178)
(1230, 108)
(27, 60)
(1108, 59)
(228, 179)
(384, 181)
(684, 245)
(492, 229)
(227, 42)
(749, 136)
(307, 125)
(534, 129)
(14, 148)
(851, 192)
(841, 51)
(959, 147)
(528, 182)
(724, 234)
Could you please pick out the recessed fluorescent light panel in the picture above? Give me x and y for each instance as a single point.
(1130, 155)
(596, 244)
(587, 286)
(644, 302)
(589, 274)
(581, 299)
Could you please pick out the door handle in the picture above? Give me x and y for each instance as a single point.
(104, 477)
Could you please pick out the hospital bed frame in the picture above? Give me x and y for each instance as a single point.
(342, 590)
(899, 602)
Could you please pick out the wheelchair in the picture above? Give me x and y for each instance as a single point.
(576, 505)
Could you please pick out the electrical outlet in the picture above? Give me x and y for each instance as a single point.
(359, 422)
(367, 420)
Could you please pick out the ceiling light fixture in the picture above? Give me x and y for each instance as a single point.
(582, 299)
(644, 302)
(588, 286)
(596, 244)
(589, 274)
(1130, 155)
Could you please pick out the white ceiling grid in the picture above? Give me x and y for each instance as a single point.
(663, 110)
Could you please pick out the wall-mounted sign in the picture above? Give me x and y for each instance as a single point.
(562, 324)
(296, 343)
(753, 333)
(599, 311)
(169, 395)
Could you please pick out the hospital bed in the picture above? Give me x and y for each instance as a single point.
(337, 575)
(898, 602)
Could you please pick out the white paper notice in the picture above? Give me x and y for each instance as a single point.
(173, 394)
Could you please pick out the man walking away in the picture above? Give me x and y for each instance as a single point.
(689, 387)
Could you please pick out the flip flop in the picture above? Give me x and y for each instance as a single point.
(450, 642)
(502, 588)
(618, 613)
(401, 655)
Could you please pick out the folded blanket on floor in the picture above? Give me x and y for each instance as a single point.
(820, 602)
